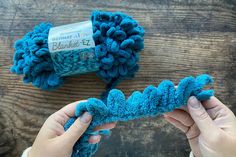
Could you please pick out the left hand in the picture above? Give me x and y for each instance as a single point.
(53, 141)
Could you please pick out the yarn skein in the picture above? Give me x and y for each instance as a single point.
(118, 40)
(151, 102)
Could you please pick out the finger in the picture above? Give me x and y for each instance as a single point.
(77, 129)
(176, 123)
(105, 126)
(94, 139)
(201, 117)
(217, 108)
(65, 113)
(212, 102)
(181, 116)
(70, 108)
(191, 131)
(217, 112)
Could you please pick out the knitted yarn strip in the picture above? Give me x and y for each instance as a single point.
(151, 102)
(118, 39)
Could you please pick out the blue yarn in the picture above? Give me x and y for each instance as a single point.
(152, 101)
(118, 39)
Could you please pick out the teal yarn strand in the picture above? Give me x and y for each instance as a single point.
(118, 41)
(151, 102)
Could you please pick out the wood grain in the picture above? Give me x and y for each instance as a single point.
(182, 38)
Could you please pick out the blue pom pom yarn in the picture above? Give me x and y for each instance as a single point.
(151, 102)
(118, 41)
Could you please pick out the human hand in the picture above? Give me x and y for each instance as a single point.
(210, 127)
(53, 141)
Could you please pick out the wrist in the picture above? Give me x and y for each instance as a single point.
(191, 154)
(26, 152)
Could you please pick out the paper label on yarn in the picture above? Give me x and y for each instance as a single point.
(71, 37)
(72, 49)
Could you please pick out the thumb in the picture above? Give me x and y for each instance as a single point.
(77, 129)
(201, 117)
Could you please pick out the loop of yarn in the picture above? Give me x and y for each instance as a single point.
(152, 101)
(118, 39)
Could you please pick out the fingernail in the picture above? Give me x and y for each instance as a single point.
(86, 117)
(193, 102)
(96, 137)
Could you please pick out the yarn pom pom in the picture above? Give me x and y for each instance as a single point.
(118, 39)
(32, 59)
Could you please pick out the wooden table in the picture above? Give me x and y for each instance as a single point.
(182, 38)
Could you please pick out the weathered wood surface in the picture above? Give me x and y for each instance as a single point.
(182, 38)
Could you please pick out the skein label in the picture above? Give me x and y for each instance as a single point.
(72, 49)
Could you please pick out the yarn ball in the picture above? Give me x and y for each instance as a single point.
(118, 39)
(151, 102)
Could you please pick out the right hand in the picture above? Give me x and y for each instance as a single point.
(210, 127)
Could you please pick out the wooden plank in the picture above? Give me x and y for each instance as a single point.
(182, 38)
